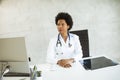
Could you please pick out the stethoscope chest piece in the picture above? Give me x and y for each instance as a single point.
(70, 45)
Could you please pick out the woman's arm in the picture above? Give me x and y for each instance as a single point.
(51, 52)
(78, 49)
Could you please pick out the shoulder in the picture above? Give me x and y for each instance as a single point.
(74, 36)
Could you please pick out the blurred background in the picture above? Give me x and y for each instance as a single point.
(35, 20)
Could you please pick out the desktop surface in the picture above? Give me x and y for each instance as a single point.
(78, 72)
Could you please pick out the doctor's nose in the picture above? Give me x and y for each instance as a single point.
(59, 27)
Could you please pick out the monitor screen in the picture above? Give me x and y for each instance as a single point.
(13, 49)
(13, 52)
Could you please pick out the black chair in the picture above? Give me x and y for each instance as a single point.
(84, 40)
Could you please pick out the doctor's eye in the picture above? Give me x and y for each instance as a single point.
(58, 24)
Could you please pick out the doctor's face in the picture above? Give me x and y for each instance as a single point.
(62, 26)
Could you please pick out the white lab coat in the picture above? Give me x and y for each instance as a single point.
(55, 53)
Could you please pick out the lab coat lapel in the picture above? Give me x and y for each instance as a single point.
(63, 42)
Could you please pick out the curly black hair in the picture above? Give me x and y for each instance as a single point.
(66, 17)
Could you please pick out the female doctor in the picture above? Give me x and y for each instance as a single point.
(65, 48)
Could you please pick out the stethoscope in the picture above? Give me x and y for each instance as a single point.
(59, 45)
(59, 42)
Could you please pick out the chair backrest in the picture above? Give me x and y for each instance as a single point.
(84, 41)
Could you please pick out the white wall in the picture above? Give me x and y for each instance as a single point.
(34, 19)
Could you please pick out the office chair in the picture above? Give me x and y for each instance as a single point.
(84, 40)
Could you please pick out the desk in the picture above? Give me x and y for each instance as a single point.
(77, 72)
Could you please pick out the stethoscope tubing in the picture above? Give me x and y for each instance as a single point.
(59, 42)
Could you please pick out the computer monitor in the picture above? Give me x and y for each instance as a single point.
(13, 53)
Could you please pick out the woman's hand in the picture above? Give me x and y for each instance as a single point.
(66, 63)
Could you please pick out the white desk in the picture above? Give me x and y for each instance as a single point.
(77, 72)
